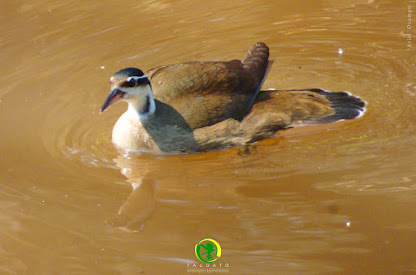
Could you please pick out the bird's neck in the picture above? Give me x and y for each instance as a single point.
(143, 104)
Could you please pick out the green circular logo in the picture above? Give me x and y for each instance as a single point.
(208, 250)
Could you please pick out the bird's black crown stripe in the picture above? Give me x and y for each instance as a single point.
(127, 72)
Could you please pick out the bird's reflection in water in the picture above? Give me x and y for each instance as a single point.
(145, 171)
(141, 202)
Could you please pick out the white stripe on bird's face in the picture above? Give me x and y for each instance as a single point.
(136, 77)
(134, 81)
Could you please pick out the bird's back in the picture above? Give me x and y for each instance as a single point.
(205, 93)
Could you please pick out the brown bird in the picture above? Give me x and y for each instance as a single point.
(202, 106)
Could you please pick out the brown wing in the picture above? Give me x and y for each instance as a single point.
(204, 93)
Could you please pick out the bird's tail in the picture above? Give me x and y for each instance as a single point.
(345, 106)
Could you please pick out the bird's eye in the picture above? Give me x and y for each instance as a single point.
(131, 81)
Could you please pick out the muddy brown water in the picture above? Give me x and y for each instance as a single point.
(336, 198)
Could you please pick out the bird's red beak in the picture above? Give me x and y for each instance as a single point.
(114, 96)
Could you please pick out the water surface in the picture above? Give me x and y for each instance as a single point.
(331, 198)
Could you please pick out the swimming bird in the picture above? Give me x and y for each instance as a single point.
(201, 106)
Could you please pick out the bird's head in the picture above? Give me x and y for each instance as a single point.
(130, 85)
